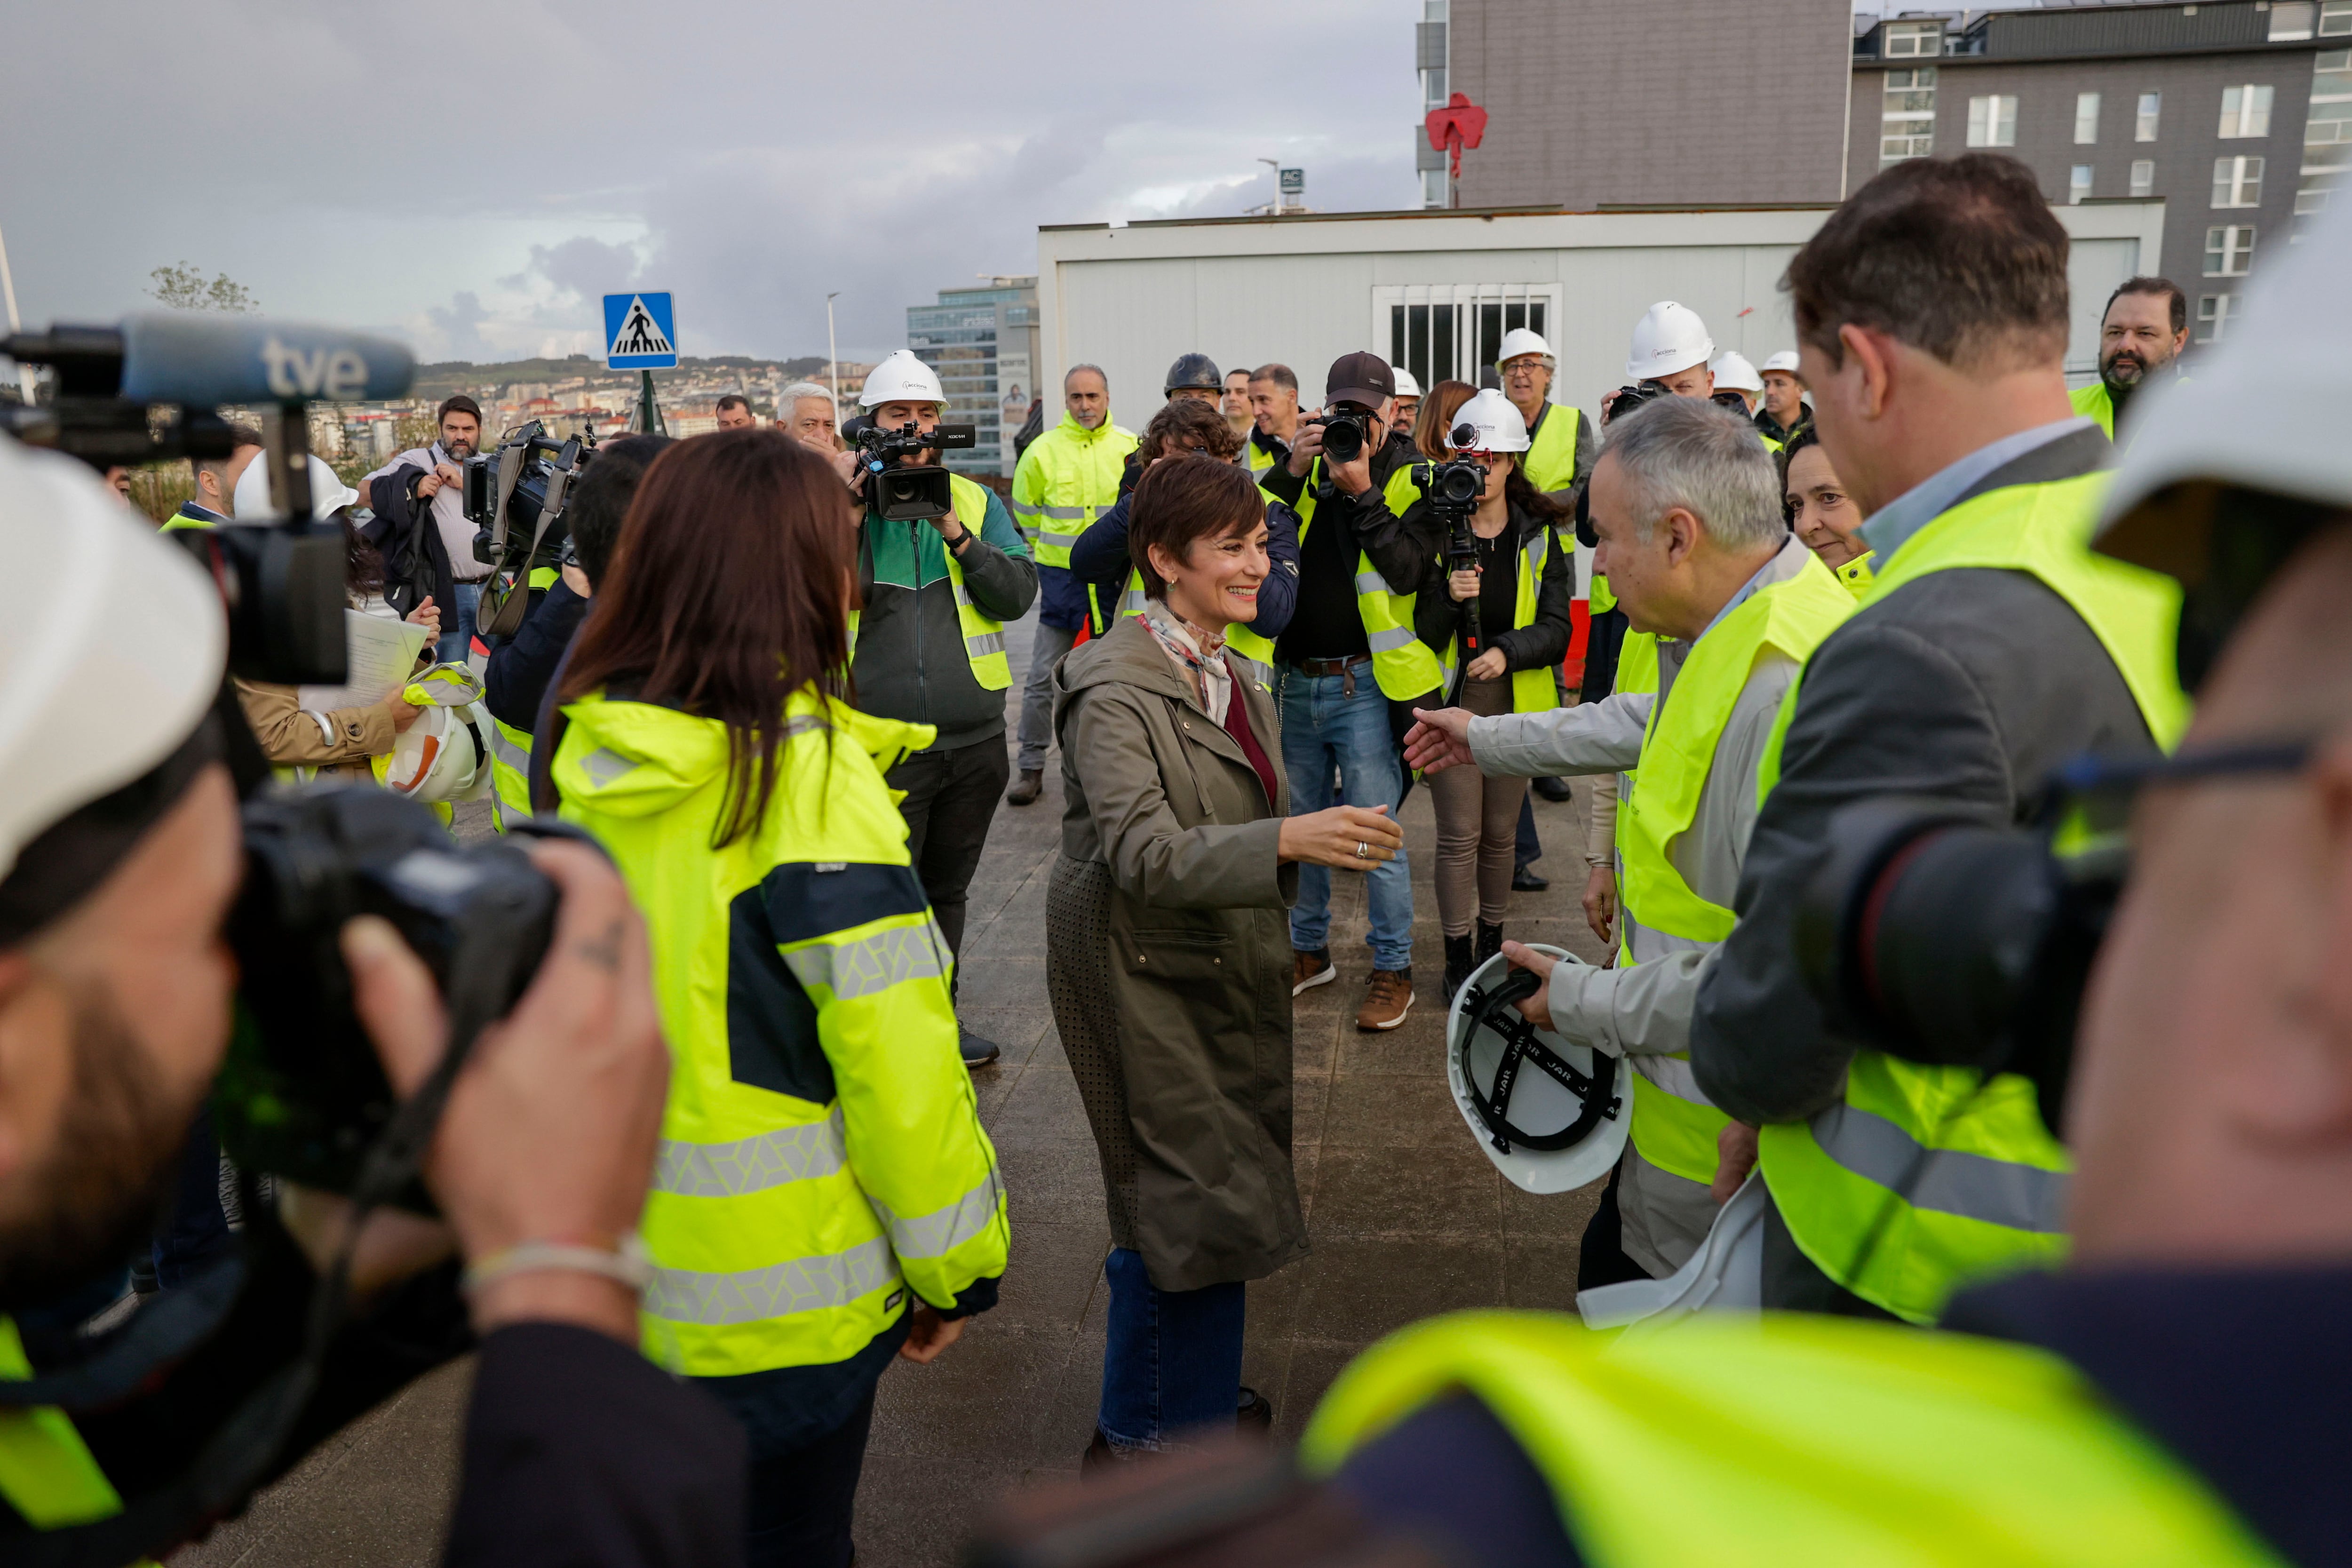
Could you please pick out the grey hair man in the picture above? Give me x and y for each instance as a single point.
(1687, 508)
(805, 412)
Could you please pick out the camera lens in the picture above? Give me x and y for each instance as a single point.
(1343, 440)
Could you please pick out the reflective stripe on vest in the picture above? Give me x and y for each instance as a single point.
(509, 772)
(1532, 691)
(1675, 1124)
(1404, 666)
(47, 1472)
(984, 640)
(1963, 1179)
(1067, 478)
(1793, 1441)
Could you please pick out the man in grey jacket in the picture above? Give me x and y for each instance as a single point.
(1686, 506)
(1932, 314)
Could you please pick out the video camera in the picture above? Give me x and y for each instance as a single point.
(302, 1094)
(1941, 939)
(899, 490)
(516, 499)
(1626, 399)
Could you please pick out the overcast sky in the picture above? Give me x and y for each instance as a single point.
(471, 177)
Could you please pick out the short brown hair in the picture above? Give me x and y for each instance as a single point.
(732, 400)
(2174, 298)
(1280, 374)
(1185, 499)
(461, 404)
(1960, 257)
(1189, 422)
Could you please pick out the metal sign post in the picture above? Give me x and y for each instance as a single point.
(641, 334)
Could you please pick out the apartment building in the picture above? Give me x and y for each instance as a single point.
(984, 343)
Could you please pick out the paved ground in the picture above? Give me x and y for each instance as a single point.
(1406, 1217)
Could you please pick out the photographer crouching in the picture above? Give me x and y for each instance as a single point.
(120, 860)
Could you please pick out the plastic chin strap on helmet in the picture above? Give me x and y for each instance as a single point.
(1498, 1009)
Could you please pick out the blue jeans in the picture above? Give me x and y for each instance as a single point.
(1323, 727)
(1172, 1359)
(457, 624)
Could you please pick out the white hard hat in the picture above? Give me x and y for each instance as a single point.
(901, 378)
(1563, 1117)
(1733, 373)
(1498, 426)
(112, 638)
(445, 754)
(328, 493)
(2264, 411)
(1405, 384)
(1519, 341)
(1668, 338)
(1785, 360)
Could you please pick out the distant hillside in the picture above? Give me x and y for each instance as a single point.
(441, 379)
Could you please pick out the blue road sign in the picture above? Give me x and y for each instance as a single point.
(640, 332)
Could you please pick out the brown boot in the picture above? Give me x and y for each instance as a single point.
(1311, 969)
(1386, 1000)
(1031, 786)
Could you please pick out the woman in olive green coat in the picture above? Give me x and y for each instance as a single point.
(1168, 951)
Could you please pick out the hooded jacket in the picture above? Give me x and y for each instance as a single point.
(910, 663)
(822, 1164)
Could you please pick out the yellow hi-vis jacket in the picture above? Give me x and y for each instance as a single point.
(1923, 1178)
(1404, 666)
(1792, 1441)
(1675, 1124)
(1067, 477)
(822, 1155)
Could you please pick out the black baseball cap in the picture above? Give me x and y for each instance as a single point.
(1361, 377)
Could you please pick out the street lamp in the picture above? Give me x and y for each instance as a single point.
(8, 291)
(831, 353)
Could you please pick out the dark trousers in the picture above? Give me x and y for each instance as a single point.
(1601, 1256)
(1795, 1283)
(952, 797)
(1528, 849)
(803, 1502)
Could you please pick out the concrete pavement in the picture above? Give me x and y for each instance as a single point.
(1406, 1218)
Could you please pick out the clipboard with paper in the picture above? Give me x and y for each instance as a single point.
(382, 653)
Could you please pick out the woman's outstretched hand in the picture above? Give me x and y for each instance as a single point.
(1351, 838)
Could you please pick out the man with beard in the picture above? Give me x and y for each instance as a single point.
(2140, 338)
(120, 853)
(459, 421)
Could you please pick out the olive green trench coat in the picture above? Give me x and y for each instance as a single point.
(1168, 958)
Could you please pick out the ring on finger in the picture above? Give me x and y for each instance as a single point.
(1363, 850)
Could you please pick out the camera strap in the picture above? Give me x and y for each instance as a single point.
(234, 1458)
(501, 612)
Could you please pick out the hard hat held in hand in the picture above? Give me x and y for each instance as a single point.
(1734, 373)
(1551, 1115)
(1519, 341)
(329, 494)
(445, 754)
(902, 378)
(1668, 338)
(1487, 423)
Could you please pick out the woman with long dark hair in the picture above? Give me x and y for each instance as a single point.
(825, 1197)
(1522, 583)
(1168, 953)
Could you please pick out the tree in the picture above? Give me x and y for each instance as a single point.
(182, 287)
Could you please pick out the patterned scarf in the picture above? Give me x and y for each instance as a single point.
(1199, 655)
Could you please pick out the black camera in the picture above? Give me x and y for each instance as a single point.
(1344, 435)
(516, 497)
(1626, 399)
(1728, 399)
(1452, 486)
(900, 491)
(283, 589)
(301, 1095)
(1936, 937)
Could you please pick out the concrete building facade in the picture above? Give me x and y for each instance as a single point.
(2236, 113)
(984, 343)
(1594, 103)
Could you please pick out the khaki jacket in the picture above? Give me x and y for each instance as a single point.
(1169, 959)
(292, 737)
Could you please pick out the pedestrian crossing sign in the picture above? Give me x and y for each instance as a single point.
(640, 333)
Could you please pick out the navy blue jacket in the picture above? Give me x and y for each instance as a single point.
(1100, 560)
